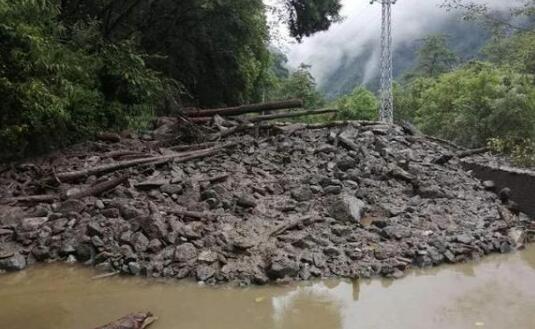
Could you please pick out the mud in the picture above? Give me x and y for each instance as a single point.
(350, 201)
(496, 293)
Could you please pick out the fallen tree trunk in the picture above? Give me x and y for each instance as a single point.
(253, 108)
(131, 321)
(269, 117)
(99, 170)
(100, 188)
(463, 154)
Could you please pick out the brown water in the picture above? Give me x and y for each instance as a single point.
(498, 292)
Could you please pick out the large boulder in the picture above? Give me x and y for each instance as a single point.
(347, 208)
(15, 262)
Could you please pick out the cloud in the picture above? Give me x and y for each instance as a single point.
(412, 19)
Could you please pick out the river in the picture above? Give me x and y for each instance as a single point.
(498, 292)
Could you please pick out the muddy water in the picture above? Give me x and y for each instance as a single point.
(498, 292)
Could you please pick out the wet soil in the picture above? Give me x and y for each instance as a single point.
(496, 293)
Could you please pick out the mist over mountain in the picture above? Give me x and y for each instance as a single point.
(347, 55)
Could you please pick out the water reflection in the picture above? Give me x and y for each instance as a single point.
(498, 292)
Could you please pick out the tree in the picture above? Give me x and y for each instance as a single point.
(306, 17)
(299, 84)
(434, 57)
(361, 104)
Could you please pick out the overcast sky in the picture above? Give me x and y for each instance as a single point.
(412, 19)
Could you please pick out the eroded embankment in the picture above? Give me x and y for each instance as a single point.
(348, 201)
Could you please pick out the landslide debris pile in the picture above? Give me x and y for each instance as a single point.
(353, 200)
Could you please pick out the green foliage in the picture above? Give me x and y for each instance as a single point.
(59, 85)
(434, 57)
(522, 151)
(361, 104)
(517, 52)
(300, 84)
(306, 17)
(475, 103)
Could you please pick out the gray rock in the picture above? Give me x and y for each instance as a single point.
(204, 272)
(281, 267)
(32, 224)
(171, 189)
(139, 242)
(16, 262)
(129, 212)
(71, 206)
(134, 268)
(303, 193)
(346, 164)
(246, 201)
(207, 256)
(185, 252)
(94, 228)
(464, 238)
(489, 185)
(331, 251)
(153, 226)
(347, 208)
(41, 253)
(333, 189)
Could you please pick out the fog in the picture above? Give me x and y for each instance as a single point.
(357, 37)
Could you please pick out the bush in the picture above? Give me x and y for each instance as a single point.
(60, 84)
(361, 104)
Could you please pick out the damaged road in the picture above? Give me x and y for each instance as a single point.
(342, 200)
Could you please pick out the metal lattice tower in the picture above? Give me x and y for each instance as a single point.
(387, 99)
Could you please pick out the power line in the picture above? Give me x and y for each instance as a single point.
(387, 99)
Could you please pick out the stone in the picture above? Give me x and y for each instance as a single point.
(99, 204)
(207, 256)
(303, 193)
(489, 185)
(140, 242)
(94, 228)
(155, 246)
(464, 238)
(346, 164)
(246, 201)
(281, 267)
(129, 212)
(204, 272)
(153, 226)
(333, 189)
(97, 241)
(347, 208)
(331, 251)
(171, 189)
(71, 206)
(185, 252)
(134, 268)
(505, 194)
(32, 224)
(111, 213)
(41, 253)
(16, 262)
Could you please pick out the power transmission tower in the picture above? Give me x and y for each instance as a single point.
(387, 99)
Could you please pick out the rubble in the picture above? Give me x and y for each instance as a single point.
(338, 200)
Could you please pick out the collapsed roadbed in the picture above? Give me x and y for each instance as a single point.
(344, 199)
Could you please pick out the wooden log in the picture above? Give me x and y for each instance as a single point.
(100, 188)
(252, 108)
(445, 158)
(99, 170)
(269, 117)
(131, 321)
(48, 198)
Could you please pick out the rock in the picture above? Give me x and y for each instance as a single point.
(99, 204)
(347, 208)
(517, 236)
(153, 226)
(140, 242)
(303, 193)
(128, 212)
(281, 267)
(505, 194)
(246, 201)
(331, 251)
(71, 206)
(134, 268)
(155, 246)
(16, 262)
(41, 253)
(185, 252)
(333, 189)
(94, 228)
(32, 224)
(111, 213)
(207, 256)
(464, 238)
(204, 272)
(171, 189)
(489, 185)
(346, 164)
(97, 241)
(85, 252)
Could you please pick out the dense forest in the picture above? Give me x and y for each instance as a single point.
(70, 68)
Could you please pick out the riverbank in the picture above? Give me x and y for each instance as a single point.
(348, 201)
